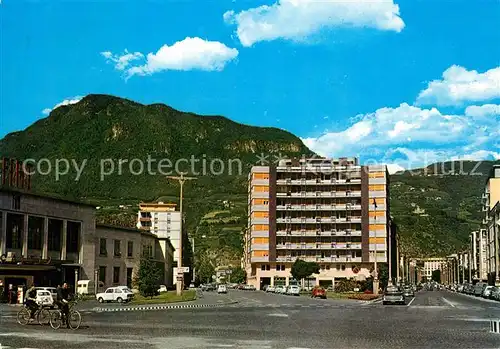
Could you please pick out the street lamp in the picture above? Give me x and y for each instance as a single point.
(375, 275)
(180, 275)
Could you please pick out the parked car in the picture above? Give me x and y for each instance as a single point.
(280, 289)
(270, 289)
(115, 294)
(318, 292)
(44, 297)
(221, 289)
(52, 290)
(162, 288)
(479, 288)
(487, 291)
(408, 292)
(393, 295)
(495, 293)
(293, 290)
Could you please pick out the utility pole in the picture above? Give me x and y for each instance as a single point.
(180, 275)
(390, 254)
(375, 275)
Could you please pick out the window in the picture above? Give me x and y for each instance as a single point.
(130, 248)
(109, 290)
(117, 252)
(129, 277)
(102, 247)
(35, 226)
(55, 229)
(102, 274)
(73, 237)
(116, 275)
(16, 202)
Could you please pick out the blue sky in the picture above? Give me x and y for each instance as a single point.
(404, 81)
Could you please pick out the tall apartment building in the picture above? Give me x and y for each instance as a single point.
(164, 221)
(478, 254)
(491, 223)
(330, 211)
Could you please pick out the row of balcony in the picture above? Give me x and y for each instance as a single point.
(315, 207)
(323, 194)
(319, 259)
(326, 246)
(318, 233)
(352, 219)
(319, 168)
(317, 181)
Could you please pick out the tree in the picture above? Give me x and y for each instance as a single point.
(148, 277)
(436, 276)
(302, 269)
(238, 275)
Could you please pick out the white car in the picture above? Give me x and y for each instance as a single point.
(162, 288)
(52, 290)
(293, 290)
(221, 289)
(115, 294)
(280, 289)
(44, 297)
(270, 289)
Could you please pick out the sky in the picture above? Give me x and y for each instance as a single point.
(404, 82)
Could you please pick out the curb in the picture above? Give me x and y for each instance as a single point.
(160, 307)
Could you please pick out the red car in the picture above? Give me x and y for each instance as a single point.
(318, 292)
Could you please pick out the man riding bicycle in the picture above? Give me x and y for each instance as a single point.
(63, 298)
(31, 303)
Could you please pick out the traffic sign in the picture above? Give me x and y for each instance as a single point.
(182, 270)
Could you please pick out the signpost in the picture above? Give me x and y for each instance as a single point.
(182, 270)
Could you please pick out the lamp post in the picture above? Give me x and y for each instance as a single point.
(375, 272)
(180, 276)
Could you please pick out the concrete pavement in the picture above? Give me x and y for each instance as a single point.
(433, 319)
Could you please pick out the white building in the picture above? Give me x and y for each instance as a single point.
(478, 254)
(431, 264)
(164, 221)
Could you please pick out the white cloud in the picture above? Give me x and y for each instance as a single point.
(188, 54)
(297, 19)
(390, 126)
(484, 110)
(410, 137)
(67, 101)
(122, 61)
(459, 85)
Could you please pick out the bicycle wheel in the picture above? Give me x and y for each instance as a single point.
(56, 319)
(23, 316)
(75, 319)
(43, 316)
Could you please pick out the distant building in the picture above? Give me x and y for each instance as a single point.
(431, 264)
(491, 224)
(331, 211)
(162, 220)
(477, 248)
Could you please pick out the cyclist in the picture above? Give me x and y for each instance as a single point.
(63, 298)
(31, 303)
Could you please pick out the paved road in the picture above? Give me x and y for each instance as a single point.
(436, 319)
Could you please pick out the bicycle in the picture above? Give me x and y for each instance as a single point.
(42, 315)
(57, 318)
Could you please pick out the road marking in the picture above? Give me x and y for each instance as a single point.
(411, 301)
(278, 315)
(448, 302)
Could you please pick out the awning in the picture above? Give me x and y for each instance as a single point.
(71, 265)
(27, 267)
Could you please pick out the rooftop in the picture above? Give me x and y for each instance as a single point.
(7, 189)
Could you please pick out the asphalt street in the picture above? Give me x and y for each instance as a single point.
(433, 319)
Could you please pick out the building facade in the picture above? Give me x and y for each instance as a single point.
(431, 264)
(478, 254)
(162, 220)
(119, 251)
(491, 224)
(49, 240)
(330, 211)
